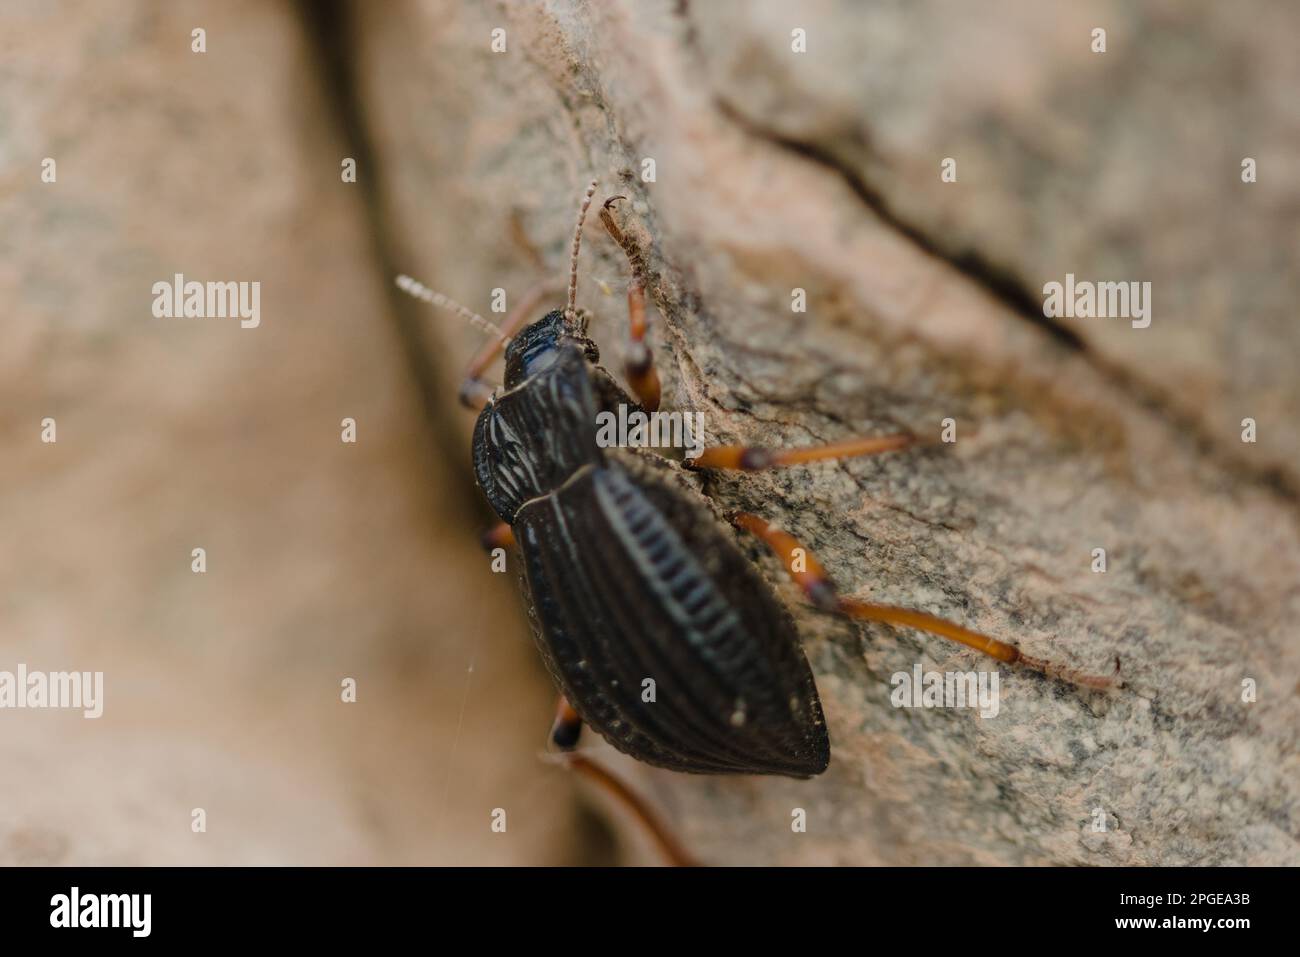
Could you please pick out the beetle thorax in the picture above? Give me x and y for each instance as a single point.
(537, 347)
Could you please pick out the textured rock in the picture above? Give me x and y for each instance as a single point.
(820, 171)
(1122, 165)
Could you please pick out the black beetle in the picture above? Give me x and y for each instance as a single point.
(630, 579)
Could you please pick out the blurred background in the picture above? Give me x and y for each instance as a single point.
(328, 560)
(325, 560)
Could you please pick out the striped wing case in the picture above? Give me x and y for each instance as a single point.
(662, 635)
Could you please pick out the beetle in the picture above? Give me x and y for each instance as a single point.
(629, 574)
(630, 579)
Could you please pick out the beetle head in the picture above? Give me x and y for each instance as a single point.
(538, 345)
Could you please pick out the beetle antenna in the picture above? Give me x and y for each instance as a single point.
(420, 291)
(570, 314)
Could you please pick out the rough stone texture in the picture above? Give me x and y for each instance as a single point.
(325, 560)
(820, 171)
(1123, 165)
